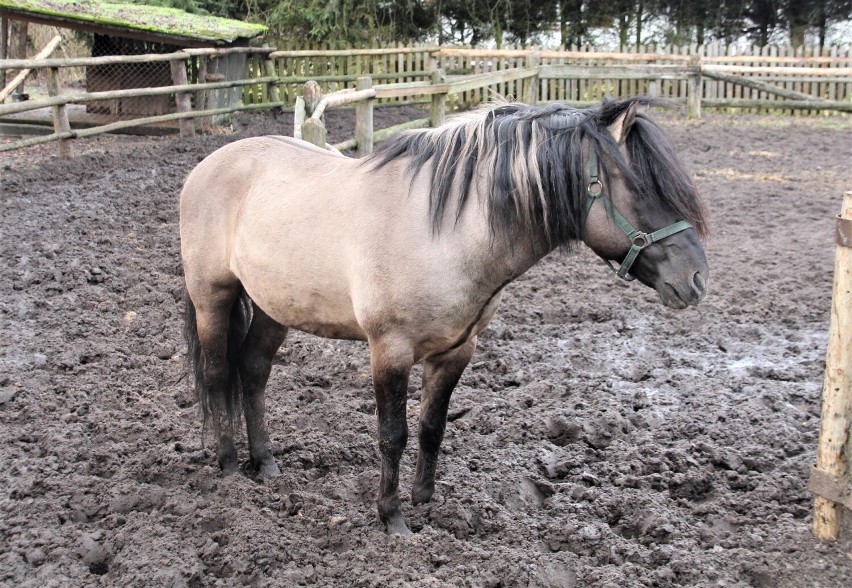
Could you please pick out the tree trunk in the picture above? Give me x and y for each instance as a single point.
(797, 34)
(623, 29)
(639, 16)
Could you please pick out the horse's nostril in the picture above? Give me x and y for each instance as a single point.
(698, 281)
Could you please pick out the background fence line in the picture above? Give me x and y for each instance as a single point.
(772, 80)
(338, 69)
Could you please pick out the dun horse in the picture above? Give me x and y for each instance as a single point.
(410, 250)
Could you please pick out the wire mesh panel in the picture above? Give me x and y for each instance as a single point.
(122, 76)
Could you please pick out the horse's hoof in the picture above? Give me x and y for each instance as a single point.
(395, 525)
(229, 467)
(268, 470)
(422, 495)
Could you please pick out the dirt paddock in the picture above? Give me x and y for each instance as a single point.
(597, 439)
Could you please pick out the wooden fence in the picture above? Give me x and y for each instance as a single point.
(464, 77)
(337, 69)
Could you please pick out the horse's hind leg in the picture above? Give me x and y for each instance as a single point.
(213, 319)
(391, 363)
(440, 376)
(262, 341)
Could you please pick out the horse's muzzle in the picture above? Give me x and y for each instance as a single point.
(686, 293)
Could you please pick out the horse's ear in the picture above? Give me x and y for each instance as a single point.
(622, 124)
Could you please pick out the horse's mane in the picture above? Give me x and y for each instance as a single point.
(532, 156)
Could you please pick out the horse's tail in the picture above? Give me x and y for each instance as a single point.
(238, 326)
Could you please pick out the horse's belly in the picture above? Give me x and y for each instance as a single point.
(304, 291)
(313, 311)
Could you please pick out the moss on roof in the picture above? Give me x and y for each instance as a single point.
(164, 21)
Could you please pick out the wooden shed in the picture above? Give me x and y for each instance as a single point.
(135, 29)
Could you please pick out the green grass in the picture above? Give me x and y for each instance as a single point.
(155, 19)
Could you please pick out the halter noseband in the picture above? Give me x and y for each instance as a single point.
(638, 239)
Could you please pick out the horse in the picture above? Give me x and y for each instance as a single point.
(410, 249)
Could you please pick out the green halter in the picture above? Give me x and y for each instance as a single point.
(638, 239)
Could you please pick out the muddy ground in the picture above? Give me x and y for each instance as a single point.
(597, 439)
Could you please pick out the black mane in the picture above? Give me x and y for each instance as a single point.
(532, 158)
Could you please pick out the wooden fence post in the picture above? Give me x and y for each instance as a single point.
(830, 479)
(60, 113)
(531, 84)
(4, 46)
(269, 70)
(438, 110)
(694, 96)
(364, 120)
(298, 116)
(187, 126)
(313, 131)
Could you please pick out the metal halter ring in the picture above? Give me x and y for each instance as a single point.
(641, 240)
(595, 188)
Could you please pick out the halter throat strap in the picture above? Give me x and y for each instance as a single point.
(639, 240)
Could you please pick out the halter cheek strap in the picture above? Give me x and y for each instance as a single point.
(639, 240)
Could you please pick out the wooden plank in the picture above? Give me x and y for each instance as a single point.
(68, 98)
(125, 124)
(410, 89)
(412, 124)
(586, 54)
(623, 72)
(765, 60)
(758, 85)
(781, 104)
(832, 489)
(791, 71)
(348, 52)
(489, 79)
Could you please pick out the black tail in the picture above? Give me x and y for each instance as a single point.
(238, 326)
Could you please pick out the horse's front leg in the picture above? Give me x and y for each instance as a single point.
(440, 376)
(391, 363)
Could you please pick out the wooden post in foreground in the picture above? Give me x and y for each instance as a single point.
(438, 110)
(693, 98)
(364, 120)
(830, 479)
(313, 131)
(269, 70)
(187, 126)
(60, 113)
(530, 86)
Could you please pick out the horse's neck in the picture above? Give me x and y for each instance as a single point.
(517, 252)
(505, 253)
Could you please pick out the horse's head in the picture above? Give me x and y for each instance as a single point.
(644, 212)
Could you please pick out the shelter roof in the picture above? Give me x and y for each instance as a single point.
(135, 21)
